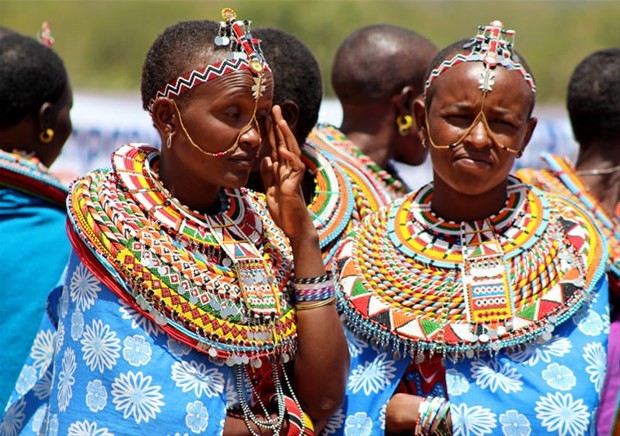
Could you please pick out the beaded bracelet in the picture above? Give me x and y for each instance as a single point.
(422, 408)
(431, 412)
(314, 294)
(299, 423)
(315, 305)
(431, 419)
(312, 280)
(440, 425)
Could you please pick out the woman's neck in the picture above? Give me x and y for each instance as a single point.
(598, 167)
(452, 205)
(193, 194)
(370, 129)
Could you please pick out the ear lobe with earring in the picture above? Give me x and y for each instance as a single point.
(424, 143)
(169, 141)
(404, 123)
(46, 136)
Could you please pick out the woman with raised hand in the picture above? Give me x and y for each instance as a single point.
(35, 104)
(478, 304)
(192, 304)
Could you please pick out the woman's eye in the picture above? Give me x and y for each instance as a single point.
(459, 120)
(501, 124)
(234, 114)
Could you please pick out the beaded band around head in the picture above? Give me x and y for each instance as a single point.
(244, 54)
(491, 46)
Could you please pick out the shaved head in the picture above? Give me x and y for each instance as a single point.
(181, 48)
(375, 62)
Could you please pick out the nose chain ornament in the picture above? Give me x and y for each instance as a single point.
(253, 123)
(481, 117)
(492, 47)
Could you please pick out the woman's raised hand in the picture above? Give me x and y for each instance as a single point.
(282, 172)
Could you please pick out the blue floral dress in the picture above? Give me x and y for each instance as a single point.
(98, 366)
(540, 372)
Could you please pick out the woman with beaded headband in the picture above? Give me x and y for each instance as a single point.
(183, 308)
(483, 309)
(35, 102)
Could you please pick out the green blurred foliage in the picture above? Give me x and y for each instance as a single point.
(103, 42)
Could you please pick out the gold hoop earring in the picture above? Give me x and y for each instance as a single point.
(169, 141)
(424, 143)
(404, 123)
(46, 136)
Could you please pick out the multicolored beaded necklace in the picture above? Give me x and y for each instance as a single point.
(27, 174)
(335, 142)
(560, 177)
(333, 203)
(216, 282)
(456, 289)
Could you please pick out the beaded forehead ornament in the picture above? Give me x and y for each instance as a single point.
(492, 47)
(244, 54)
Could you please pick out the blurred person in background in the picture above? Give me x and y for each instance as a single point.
(593, 103)
(377, 73)
(35, 104)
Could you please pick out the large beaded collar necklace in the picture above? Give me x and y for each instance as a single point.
(216, 282)
(457, 289)
(332, 205)
(26, 173)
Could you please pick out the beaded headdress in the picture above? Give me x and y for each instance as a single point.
(493, 45)
(244, 53)
(45, 35)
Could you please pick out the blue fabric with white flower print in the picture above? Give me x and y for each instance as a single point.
(101, 368)
(550, 388)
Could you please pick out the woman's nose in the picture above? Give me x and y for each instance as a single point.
(251, 133)
(479, 135)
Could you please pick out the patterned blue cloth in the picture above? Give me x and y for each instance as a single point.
(34, 249)
(550, 388)
(99, 367)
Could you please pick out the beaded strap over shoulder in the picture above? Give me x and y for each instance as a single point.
(27, 174)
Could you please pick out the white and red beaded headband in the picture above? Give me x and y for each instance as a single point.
(244, 54)
(492, 47)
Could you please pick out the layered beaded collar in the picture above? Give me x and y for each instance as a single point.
(27, 174)
(332, 205)
(434, 286)
(216, 282)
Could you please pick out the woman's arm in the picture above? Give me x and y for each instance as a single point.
(322, 362)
